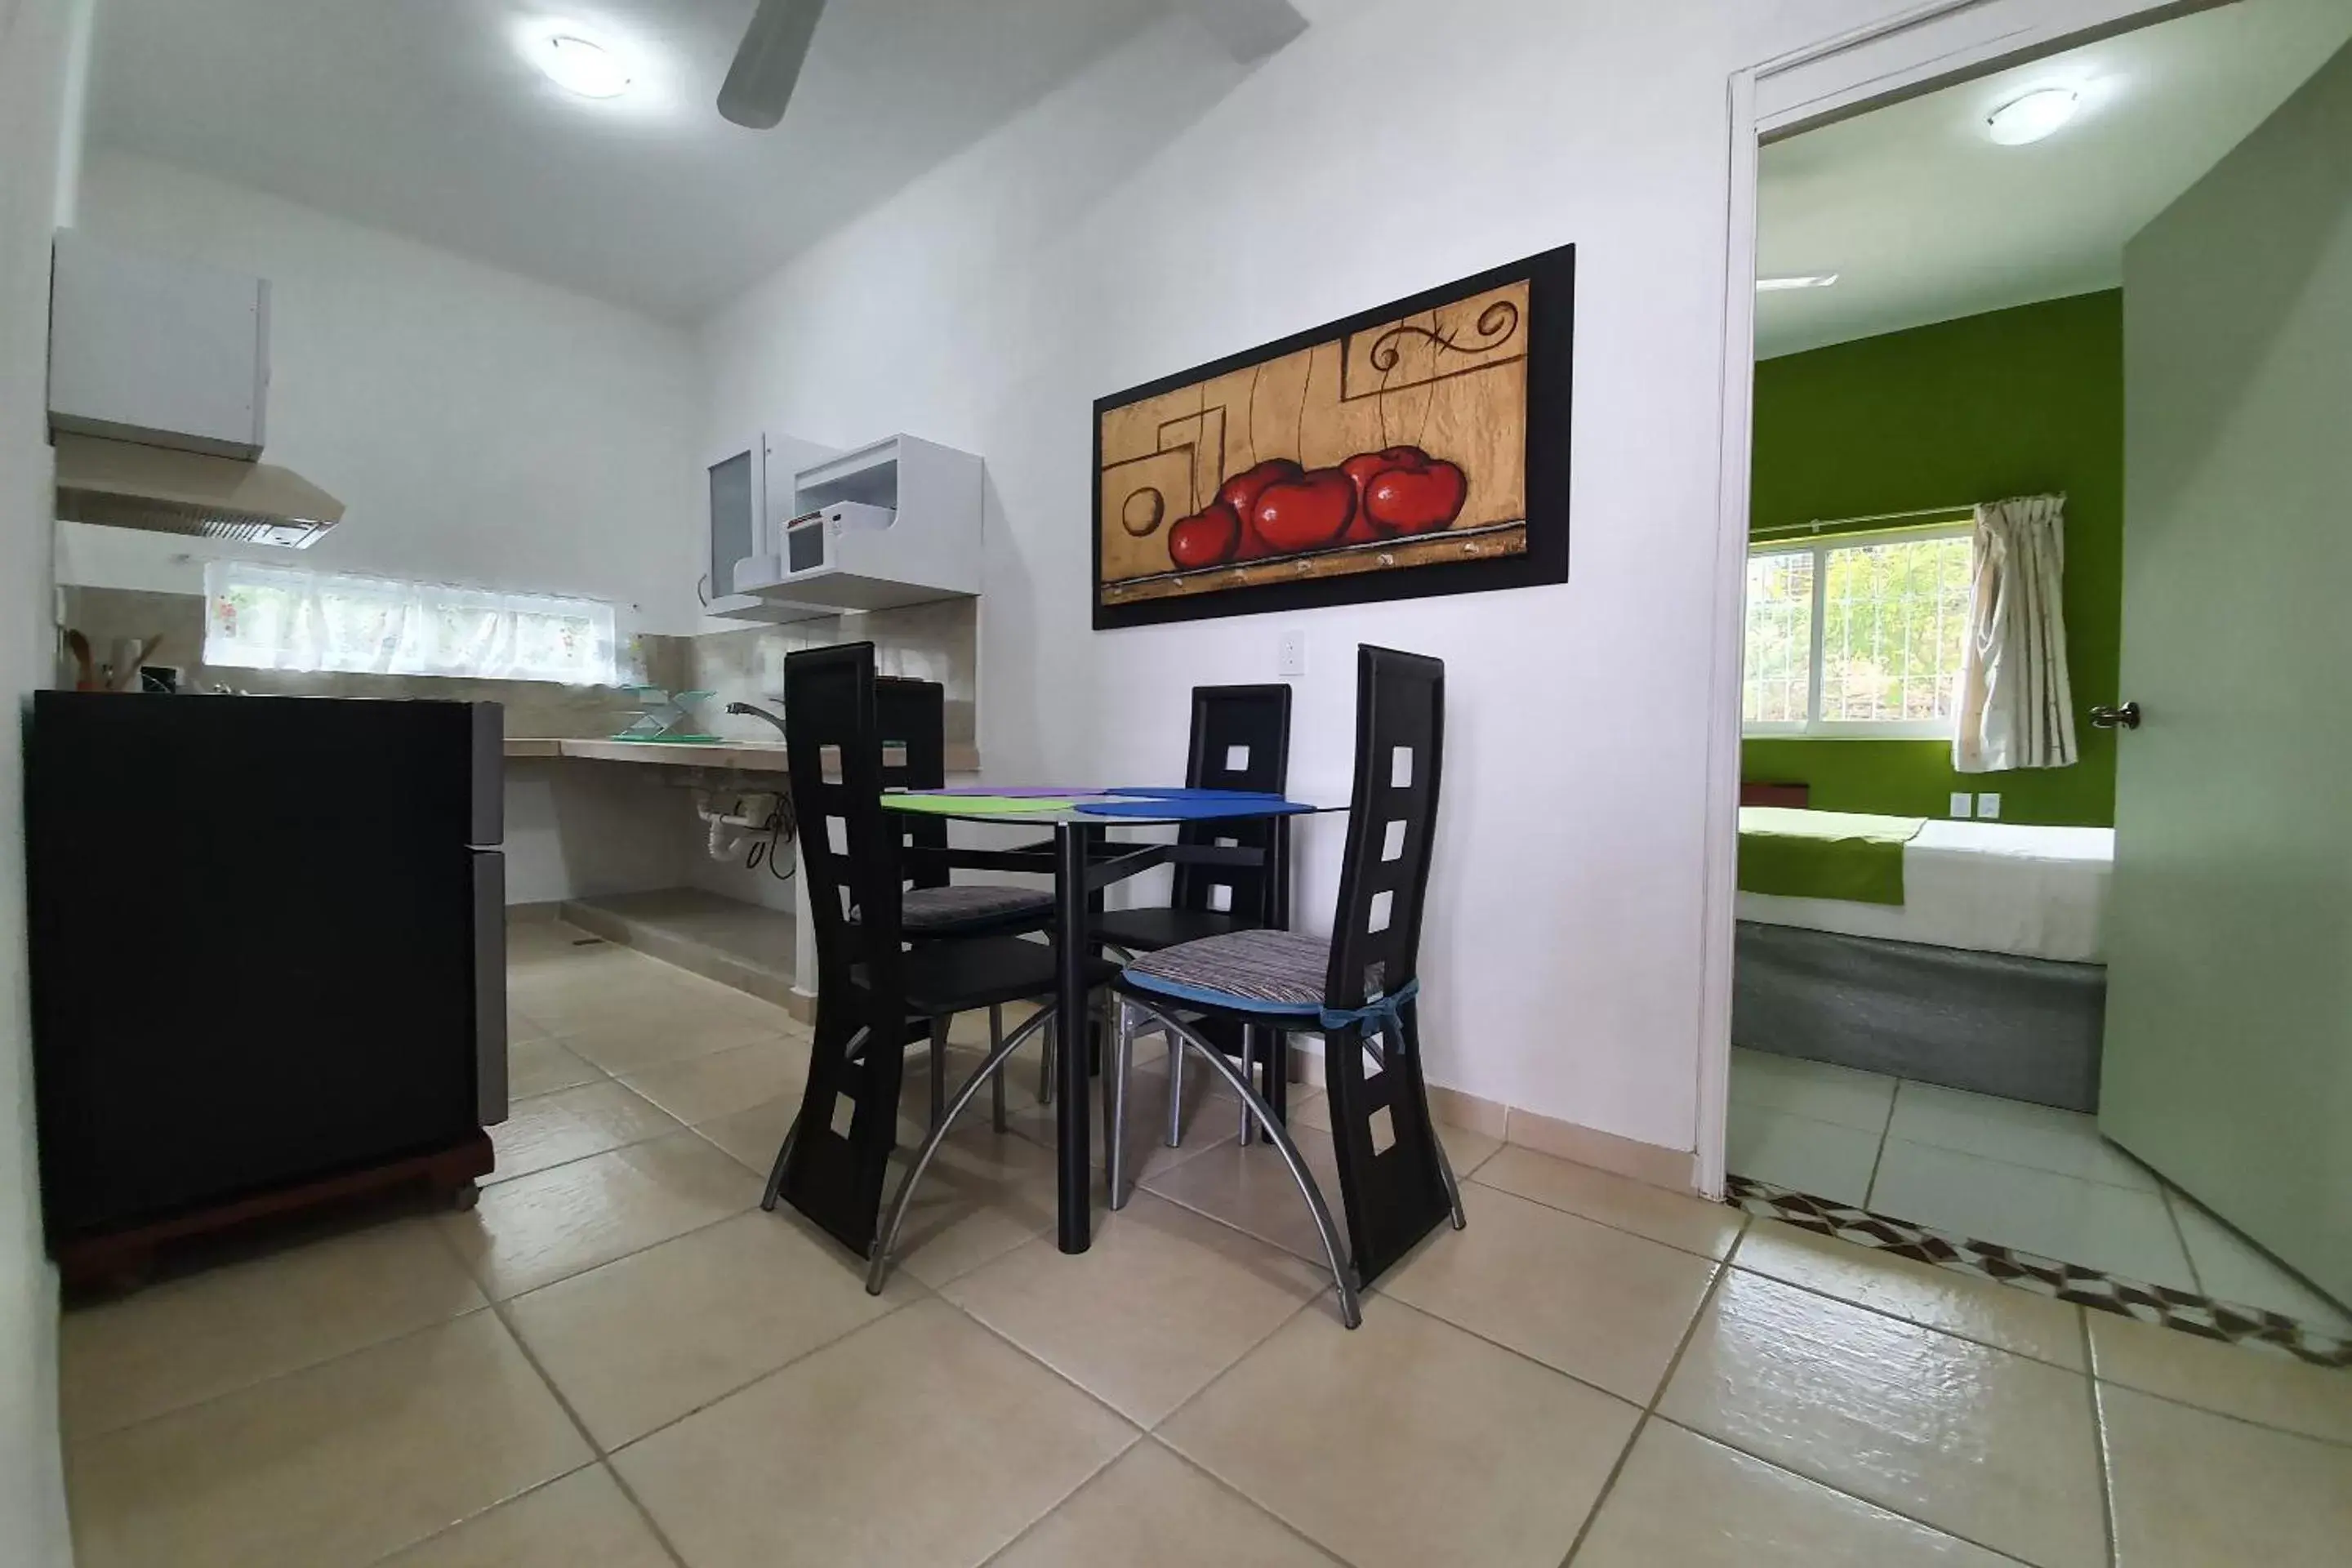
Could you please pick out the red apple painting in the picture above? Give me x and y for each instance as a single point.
(1208, 538)
(1394, 454)
(1304, 514)
(1416, 496)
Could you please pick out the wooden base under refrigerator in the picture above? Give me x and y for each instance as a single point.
(124, 1259)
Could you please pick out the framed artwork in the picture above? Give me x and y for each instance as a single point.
(1421, 447)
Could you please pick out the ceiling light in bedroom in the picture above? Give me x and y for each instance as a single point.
(2033, 116)
(1795, 280)
(580, 66)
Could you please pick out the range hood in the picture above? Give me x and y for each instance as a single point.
(127, 484)
(158, 388)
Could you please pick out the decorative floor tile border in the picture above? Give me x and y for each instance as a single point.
(2160, 1304)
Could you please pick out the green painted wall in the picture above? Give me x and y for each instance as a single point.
(2015, 402)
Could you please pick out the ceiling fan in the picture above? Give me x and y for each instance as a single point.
(768, 64)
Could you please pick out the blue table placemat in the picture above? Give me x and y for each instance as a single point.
(1179, 792)
(1204, 806)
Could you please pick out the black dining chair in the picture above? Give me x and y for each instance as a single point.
(912, 715)
(1240, 740)
(1357, 989)
(873, 988)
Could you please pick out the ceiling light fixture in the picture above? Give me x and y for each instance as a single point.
(2033, 116)
(1797, 281)
(579, 66)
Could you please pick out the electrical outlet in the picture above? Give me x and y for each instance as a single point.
(1989, 807)
(1290, 658)
(1963, 804)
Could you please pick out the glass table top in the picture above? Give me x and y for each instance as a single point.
(1096, 804)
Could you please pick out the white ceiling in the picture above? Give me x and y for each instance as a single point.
(1924, 218)
(421, 116)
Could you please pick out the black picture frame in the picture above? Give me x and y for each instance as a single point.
(1550, 277)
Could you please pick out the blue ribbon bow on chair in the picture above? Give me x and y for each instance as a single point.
(1381, 1014)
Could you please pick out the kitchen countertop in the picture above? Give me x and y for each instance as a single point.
(742, 756)
(747, 756)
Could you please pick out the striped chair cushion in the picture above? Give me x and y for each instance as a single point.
(1252, 971)
(970, 904)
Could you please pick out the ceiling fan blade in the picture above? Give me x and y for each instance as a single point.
(760, 83)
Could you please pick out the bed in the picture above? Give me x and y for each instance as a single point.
(1964, 954)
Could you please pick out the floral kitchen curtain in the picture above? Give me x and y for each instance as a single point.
(2017, 706)
(273, 617)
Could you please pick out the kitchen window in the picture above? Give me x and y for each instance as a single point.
(1856, 637)
(273, 617)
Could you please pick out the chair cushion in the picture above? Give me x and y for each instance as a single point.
(1249, 970)
(943, 977)
(930, 911)
(1147, 931)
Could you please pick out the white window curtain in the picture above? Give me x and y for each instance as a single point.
(2017, 706)
(274, 618)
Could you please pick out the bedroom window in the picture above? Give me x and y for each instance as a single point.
(1858, 638)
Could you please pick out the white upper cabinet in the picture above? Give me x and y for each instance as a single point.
(749, 493)
(894, 523)
(161, 351)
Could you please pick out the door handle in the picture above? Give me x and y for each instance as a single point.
(2123, 717)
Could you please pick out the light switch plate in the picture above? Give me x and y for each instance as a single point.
(1290, 658)
(1989, 807)
(1963, 804)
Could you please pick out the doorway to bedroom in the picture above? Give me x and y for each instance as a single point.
(1950, 991)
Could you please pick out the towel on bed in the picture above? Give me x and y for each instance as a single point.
(1824, 854)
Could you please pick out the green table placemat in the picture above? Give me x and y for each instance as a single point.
(1824, 854)
(975, 805)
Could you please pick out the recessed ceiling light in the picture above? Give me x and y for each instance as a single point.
(2033, 116)
(1796, 280)
(588, 68)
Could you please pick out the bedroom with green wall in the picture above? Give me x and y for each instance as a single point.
(2017, 402)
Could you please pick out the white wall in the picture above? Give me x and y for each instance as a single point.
(479, 426)
(1165, 209)
(37, 153)
(576, 830)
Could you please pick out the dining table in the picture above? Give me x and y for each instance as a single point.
(1083, 860)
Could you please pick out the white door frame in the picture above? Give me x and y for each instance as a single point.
(1915, 51)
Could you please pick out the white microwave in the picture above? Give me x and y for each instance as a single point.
(897, 522)
(815, 540)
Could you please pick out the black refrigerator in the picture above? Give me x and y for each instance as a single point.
(266, 938)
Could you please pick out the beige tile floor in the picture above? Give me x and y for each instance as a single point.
(1995, 1170)
(618, 1361)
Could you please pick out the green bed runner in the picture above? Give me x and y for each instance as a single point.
(1824, 854)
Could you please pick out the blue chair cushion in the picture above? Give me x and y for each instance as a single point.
(1249, 970)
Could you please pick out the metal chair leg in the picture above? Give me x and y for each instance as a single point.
(776, 1171)
(1122, 1061)
(938, 1067)
(996, 1084)
(1249, 1065)
(1175, 1088)
(1045, 1069)
(877, 1267)
(1351, 1313)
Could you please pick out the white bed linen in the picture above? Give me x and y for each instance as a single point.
(1991, 886)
